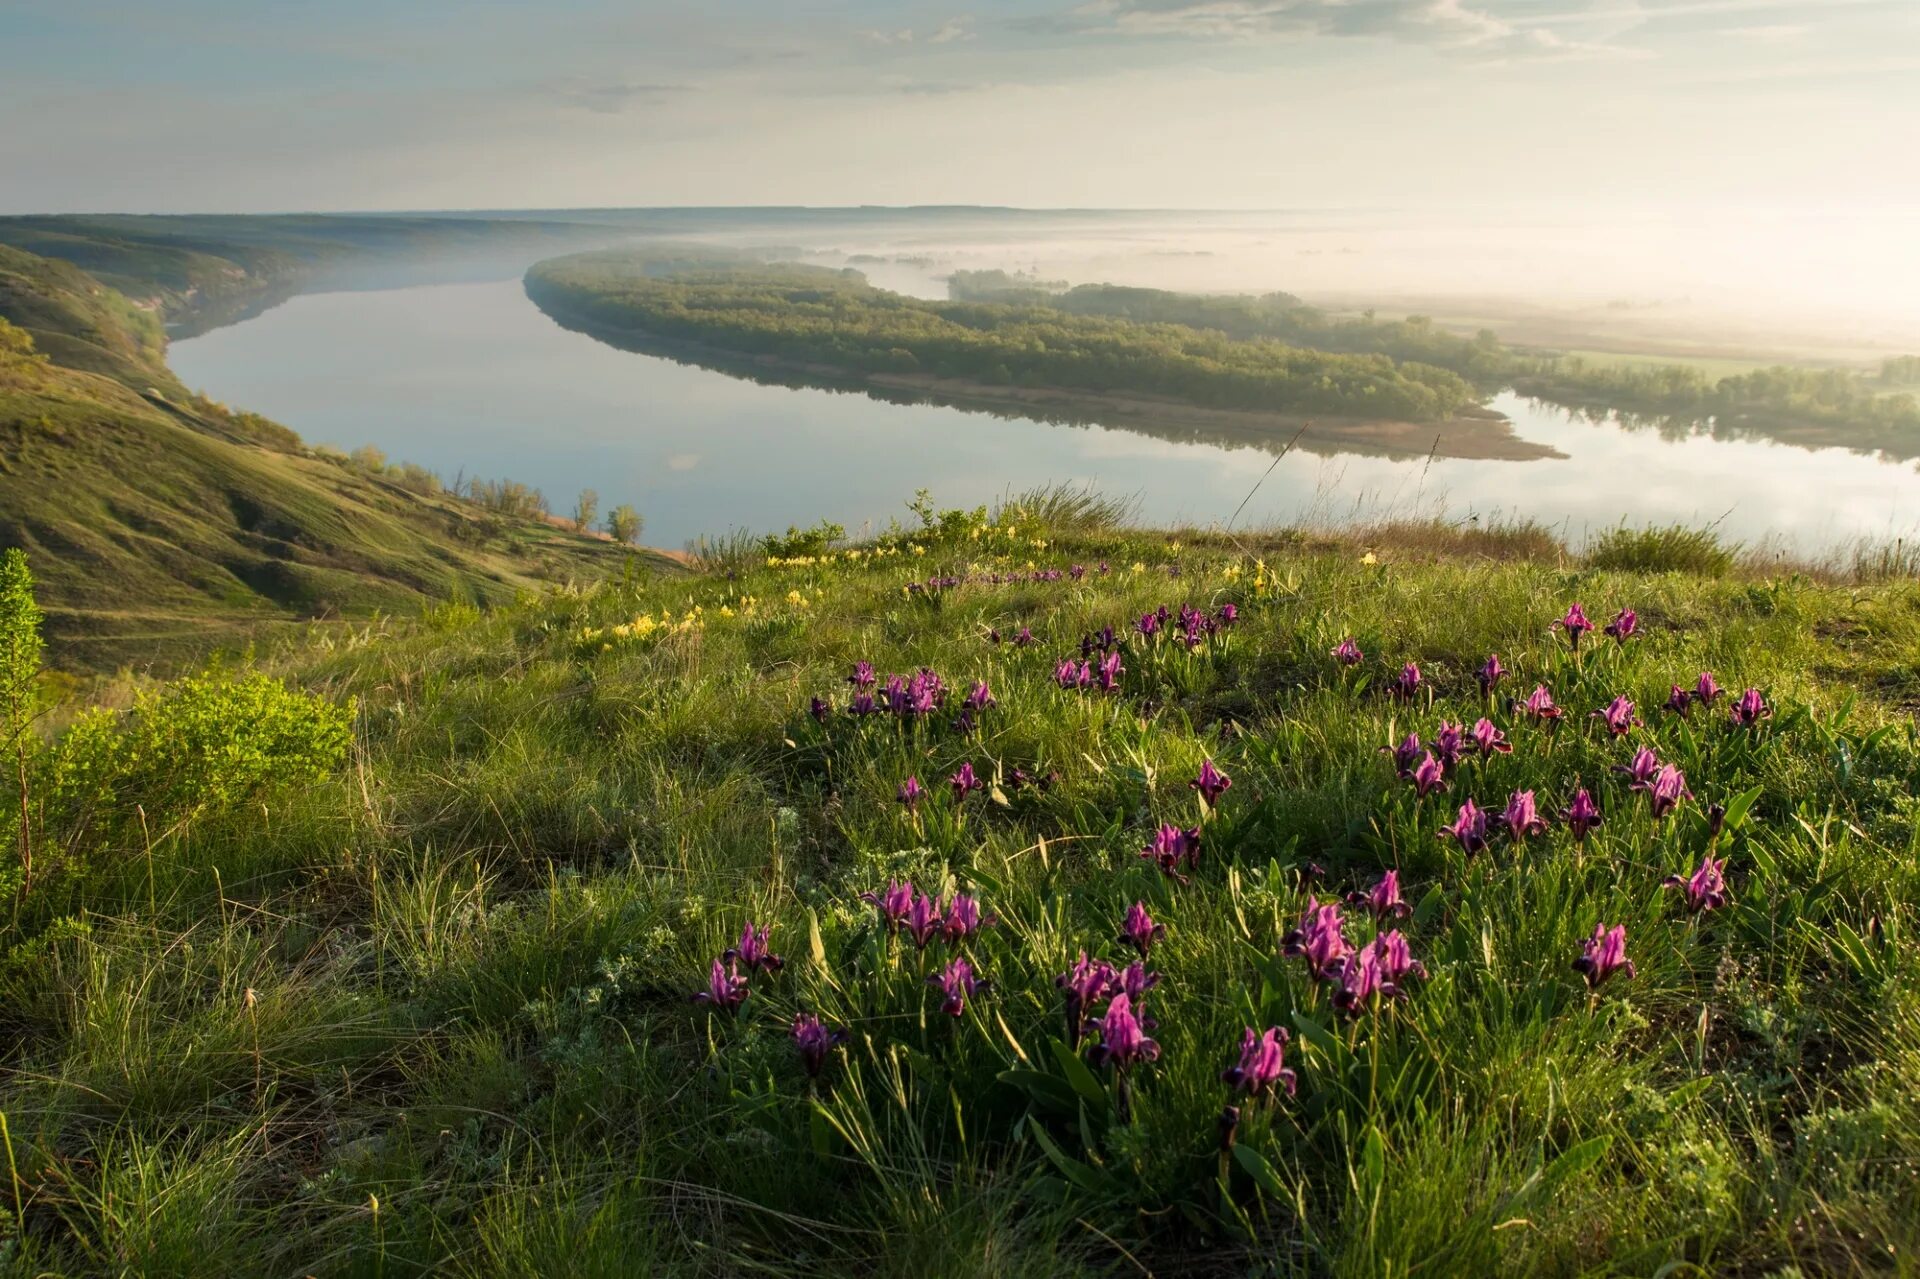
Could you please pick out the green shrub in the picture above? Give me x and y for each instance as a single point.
(1676, 549)
(202, 746)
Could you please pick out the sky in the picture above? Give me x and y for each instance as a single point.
(263, 105)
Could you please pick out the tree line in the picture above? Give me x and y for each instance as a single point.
(835, 320)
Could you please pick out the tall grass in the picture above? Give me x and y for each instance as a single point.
(432, 1012)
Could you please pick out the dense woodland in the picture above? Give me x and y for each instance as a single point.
(1739, 405)
(835, 319)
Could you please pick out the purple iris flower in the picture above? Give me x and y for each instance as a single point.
(1750, 708)
(1575, 624)
(821, 711)
(956, 982)
(1705, 690)
(1022, 638)
(1396, 959)
(1076, 571)
(1490, 673)
(923, 919)
(1374, 974)
(1679, 700)
(1172, 848)
(963, 724)
(1086, 983)
(1522, 817)
(1109, 672)
(754, 951)
(1624, 625)
(1666, 790)
(1383, 899)
(1604, 954)
(1360, 982)
(910, 793)
(1618, 716)
(1428, 776)
(963, 918)
(1406, 684)
(893, 903)
(814, 1042)
(863, 676)
(1642, 770)
(1068, 674)
(965, 782)
(1148, 626)
(1348, 653)
(1263, 1065)
(1228, 615)
(1405, 756)
(1539, 704)
(1582, 815)
(1321, 940)
(1469, 828)
(1123, 1040)
(1103, 568)
(993, 635)
(1212, 783)
(1449, 744)
(1489, 740)
(726, 988)
(1706, 888)
(1135, 981)
(981, 698)
(861, 705)
(1138, 929)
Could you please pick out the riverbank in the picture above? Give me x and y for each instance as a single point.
(1474, 434)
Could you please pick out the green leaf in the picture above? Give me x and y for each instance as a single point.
(1256, 1166)
(1738, 807)
(1079, 1075)
(1430, 905)
(1047, 1089)
(1315, 1033)
(825, 1140)
(815, 945)
(1574, 1160)
(1083, 1175)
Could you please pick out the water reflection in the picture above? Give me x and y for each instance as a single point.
(473, 379)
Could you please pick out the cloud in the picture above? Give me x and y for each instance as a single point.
(611, 97)
(1772, 33)
(1451, 24)
(946, 33)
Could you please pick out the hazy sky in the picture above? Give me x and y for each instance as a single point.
(270, 104)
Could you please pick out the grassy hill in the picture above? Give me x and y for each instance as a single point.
(428, 1007)
(163, 525)
(200, 271)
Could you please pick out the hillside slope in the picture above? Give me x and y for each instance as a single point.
(501, 992)
(161, 525)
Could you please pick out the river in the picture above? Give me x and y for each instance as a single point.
(472, 379)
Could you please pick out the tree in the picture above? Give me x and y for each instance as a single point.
(624, 524)
(586, 510)
(20, 647)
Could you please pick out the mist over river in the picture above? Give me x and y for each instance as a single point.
(471, 378)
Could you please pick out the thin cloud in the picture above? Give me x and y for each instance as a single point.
(612, 97)
(1449, 24)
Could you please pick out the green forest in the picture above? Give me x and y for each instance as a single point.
(813, 316)
(1749, 405)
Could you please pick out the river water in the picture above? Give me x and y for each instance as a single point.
(473, 379)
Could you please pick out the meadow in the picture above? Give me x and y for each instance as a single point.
(1017, 892)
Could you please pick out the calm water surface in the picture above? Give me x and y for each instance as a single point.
(472, 378)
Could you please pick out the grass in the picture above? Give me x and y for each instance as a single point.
(431, 1014)
(165, 526)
